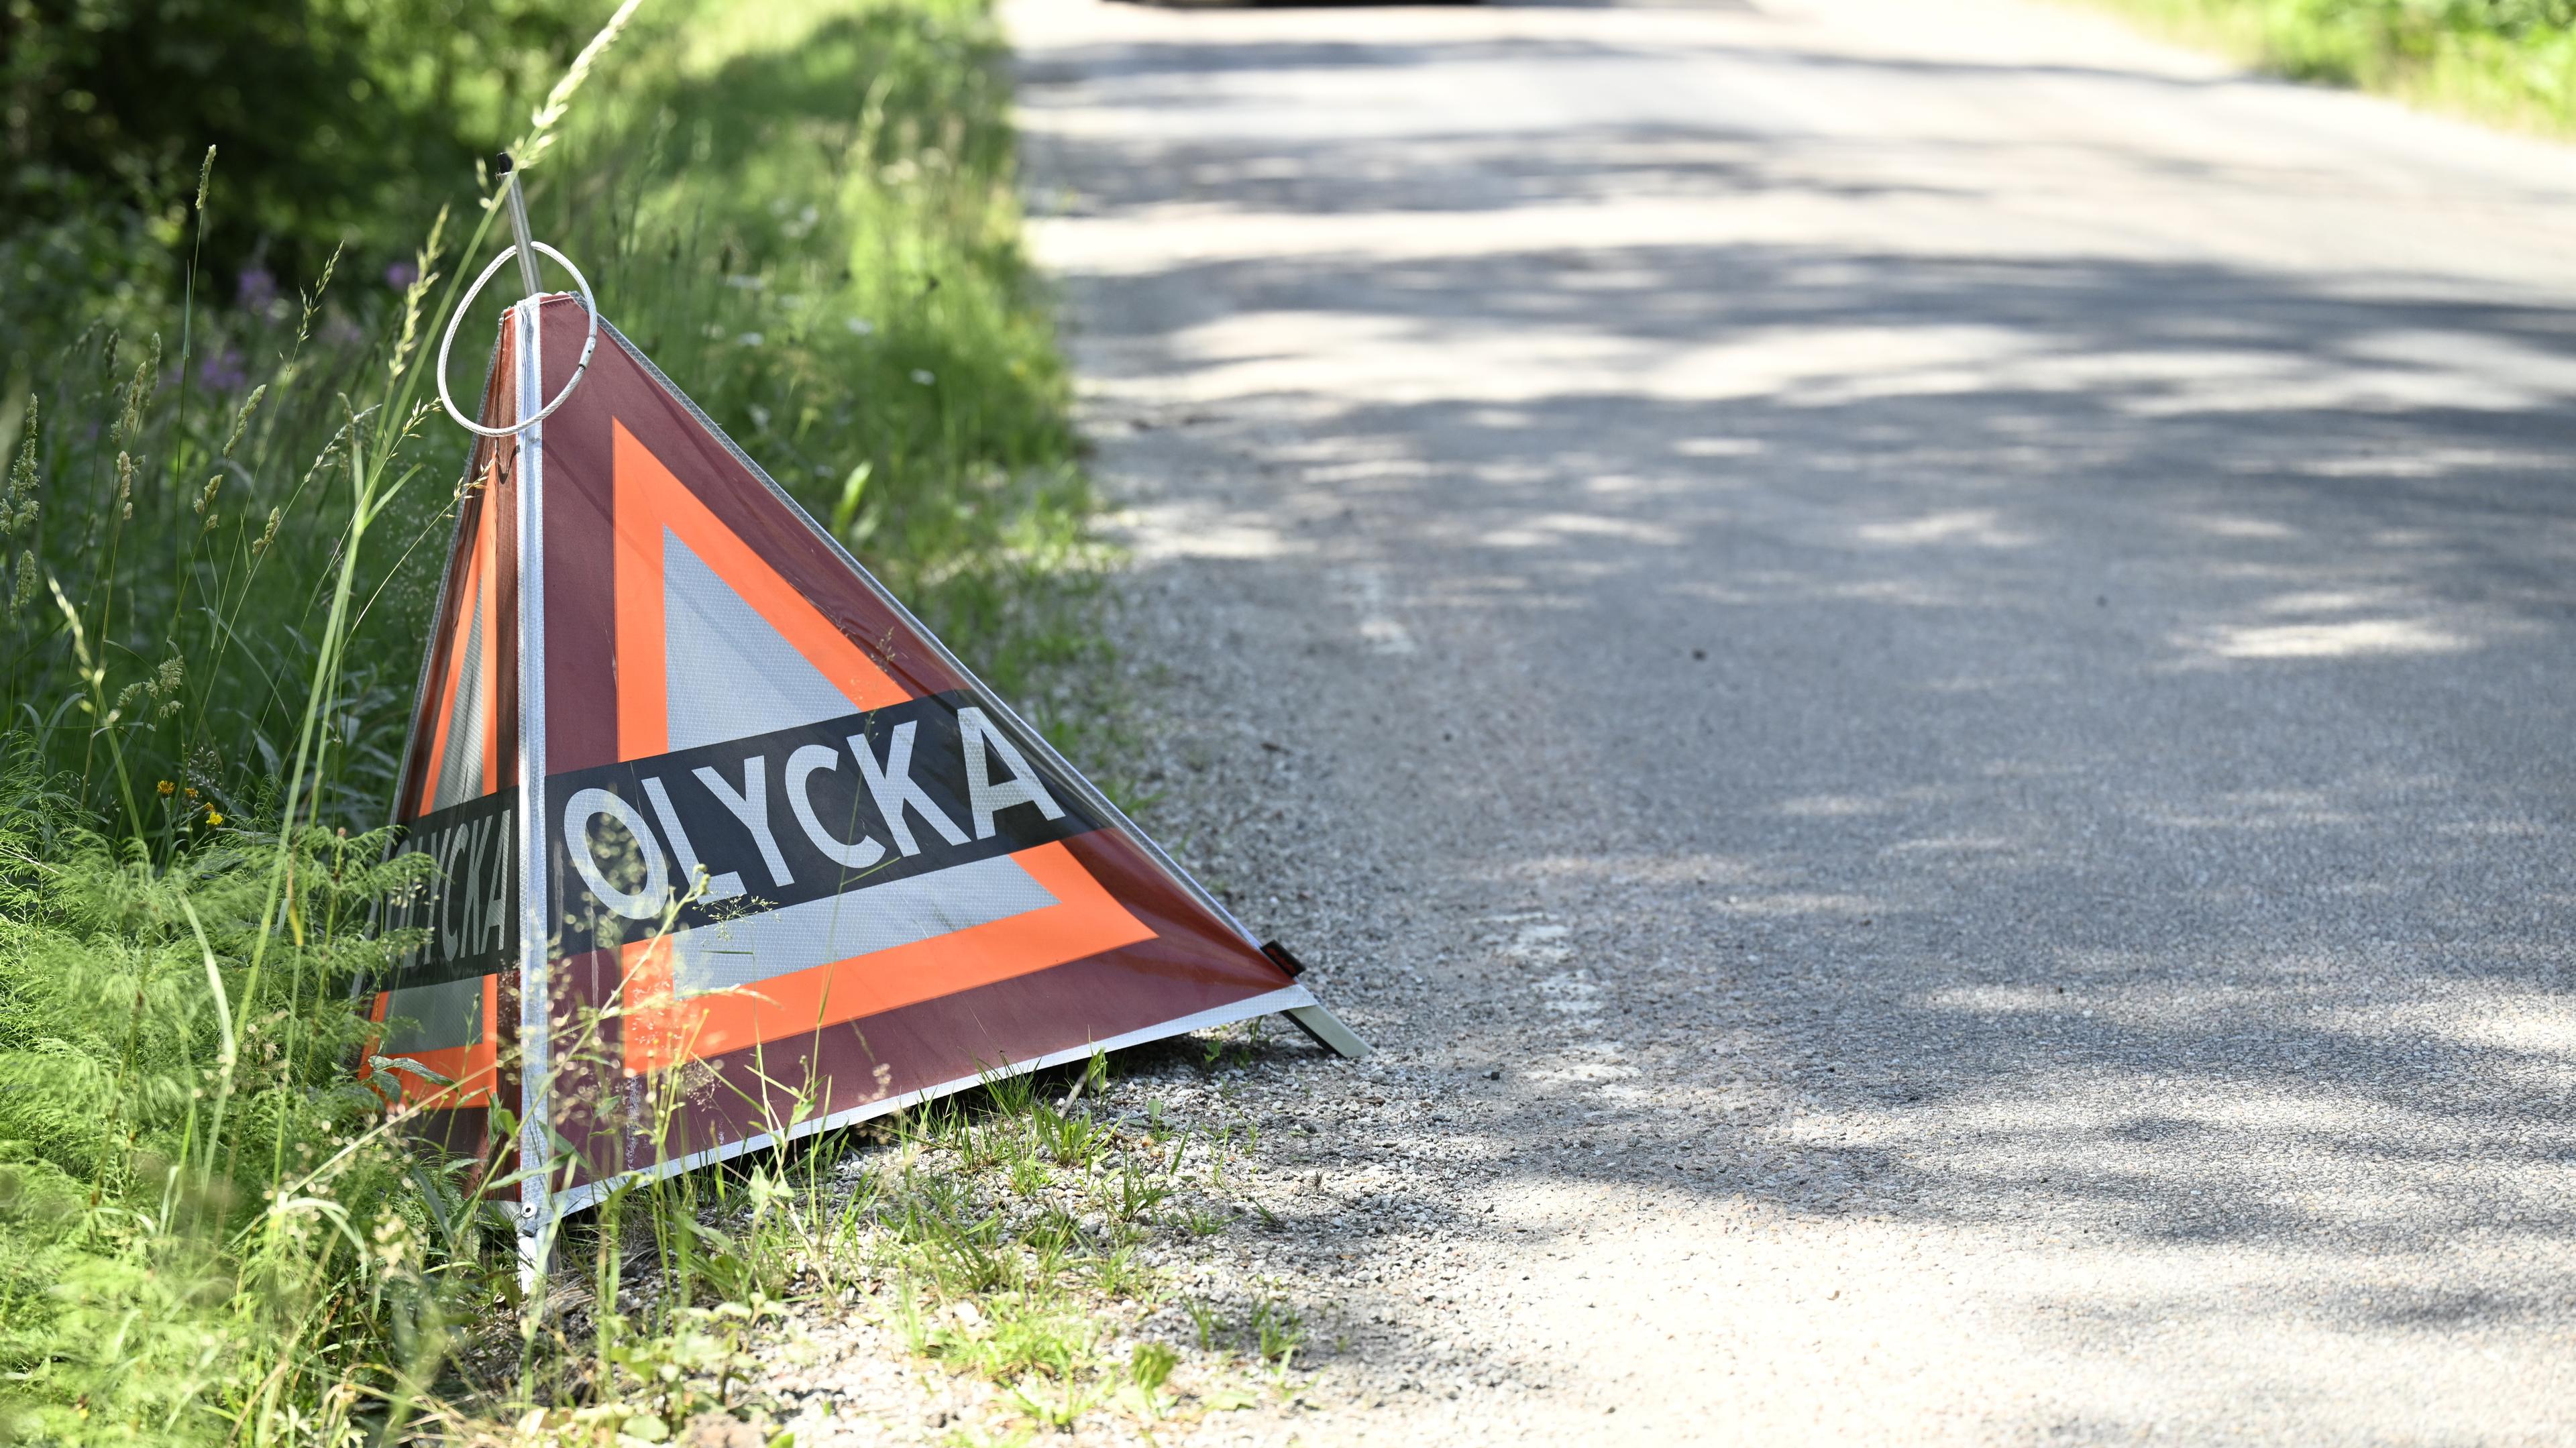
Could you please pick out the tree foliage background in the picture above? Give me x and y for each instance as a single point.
(326, 114)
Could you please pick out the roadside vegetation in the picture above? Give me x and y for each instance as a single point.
(2512, 62)
(228, 240)
(1005, 1260)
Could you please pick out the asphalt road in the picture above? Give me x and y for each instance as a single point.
(1943, 635)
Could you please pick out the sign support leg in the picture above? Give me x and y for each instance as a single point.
(516, 199)
(536, 1260)
(1327, 1031)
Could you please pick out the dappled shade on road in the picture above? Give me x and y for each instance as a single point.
(1997, 605)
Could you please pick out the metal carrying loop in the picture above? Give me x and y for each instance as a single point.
(590, 343)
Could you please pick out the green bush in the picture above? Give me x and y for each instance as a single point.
(2507, 60)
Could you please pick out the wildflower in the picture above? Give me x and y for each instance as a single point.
(192, 791)
(167, 788)
(222, 371)
(401, 275)
(256, 288)
(214, 816)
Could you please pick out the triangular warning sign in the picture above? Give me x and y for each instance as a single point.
(746, 847)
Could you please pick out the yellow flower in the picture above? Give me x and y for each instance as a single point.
(214, 816)
(165, 787)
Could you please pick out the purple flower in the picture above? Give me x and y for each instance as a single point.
(255, 289)
(401, 275)
(222, 371)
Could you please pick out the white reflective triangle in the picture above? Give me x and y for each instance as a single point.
(727, 672)
(460, 758)
(731, 954)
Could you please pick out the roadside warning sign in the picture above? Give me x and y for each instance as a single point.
(728, 845)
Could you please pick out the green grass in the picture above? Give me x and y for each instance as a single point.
(218, 543)
(926, 1223)
(2510, 62)
(1036, 1285)
(180, 1250)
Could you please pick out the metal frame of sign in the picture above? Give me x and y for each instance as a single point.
(536, 1057)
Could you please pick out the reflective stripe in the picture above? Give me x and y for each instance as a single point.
(433, 1017)
(859, 922)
